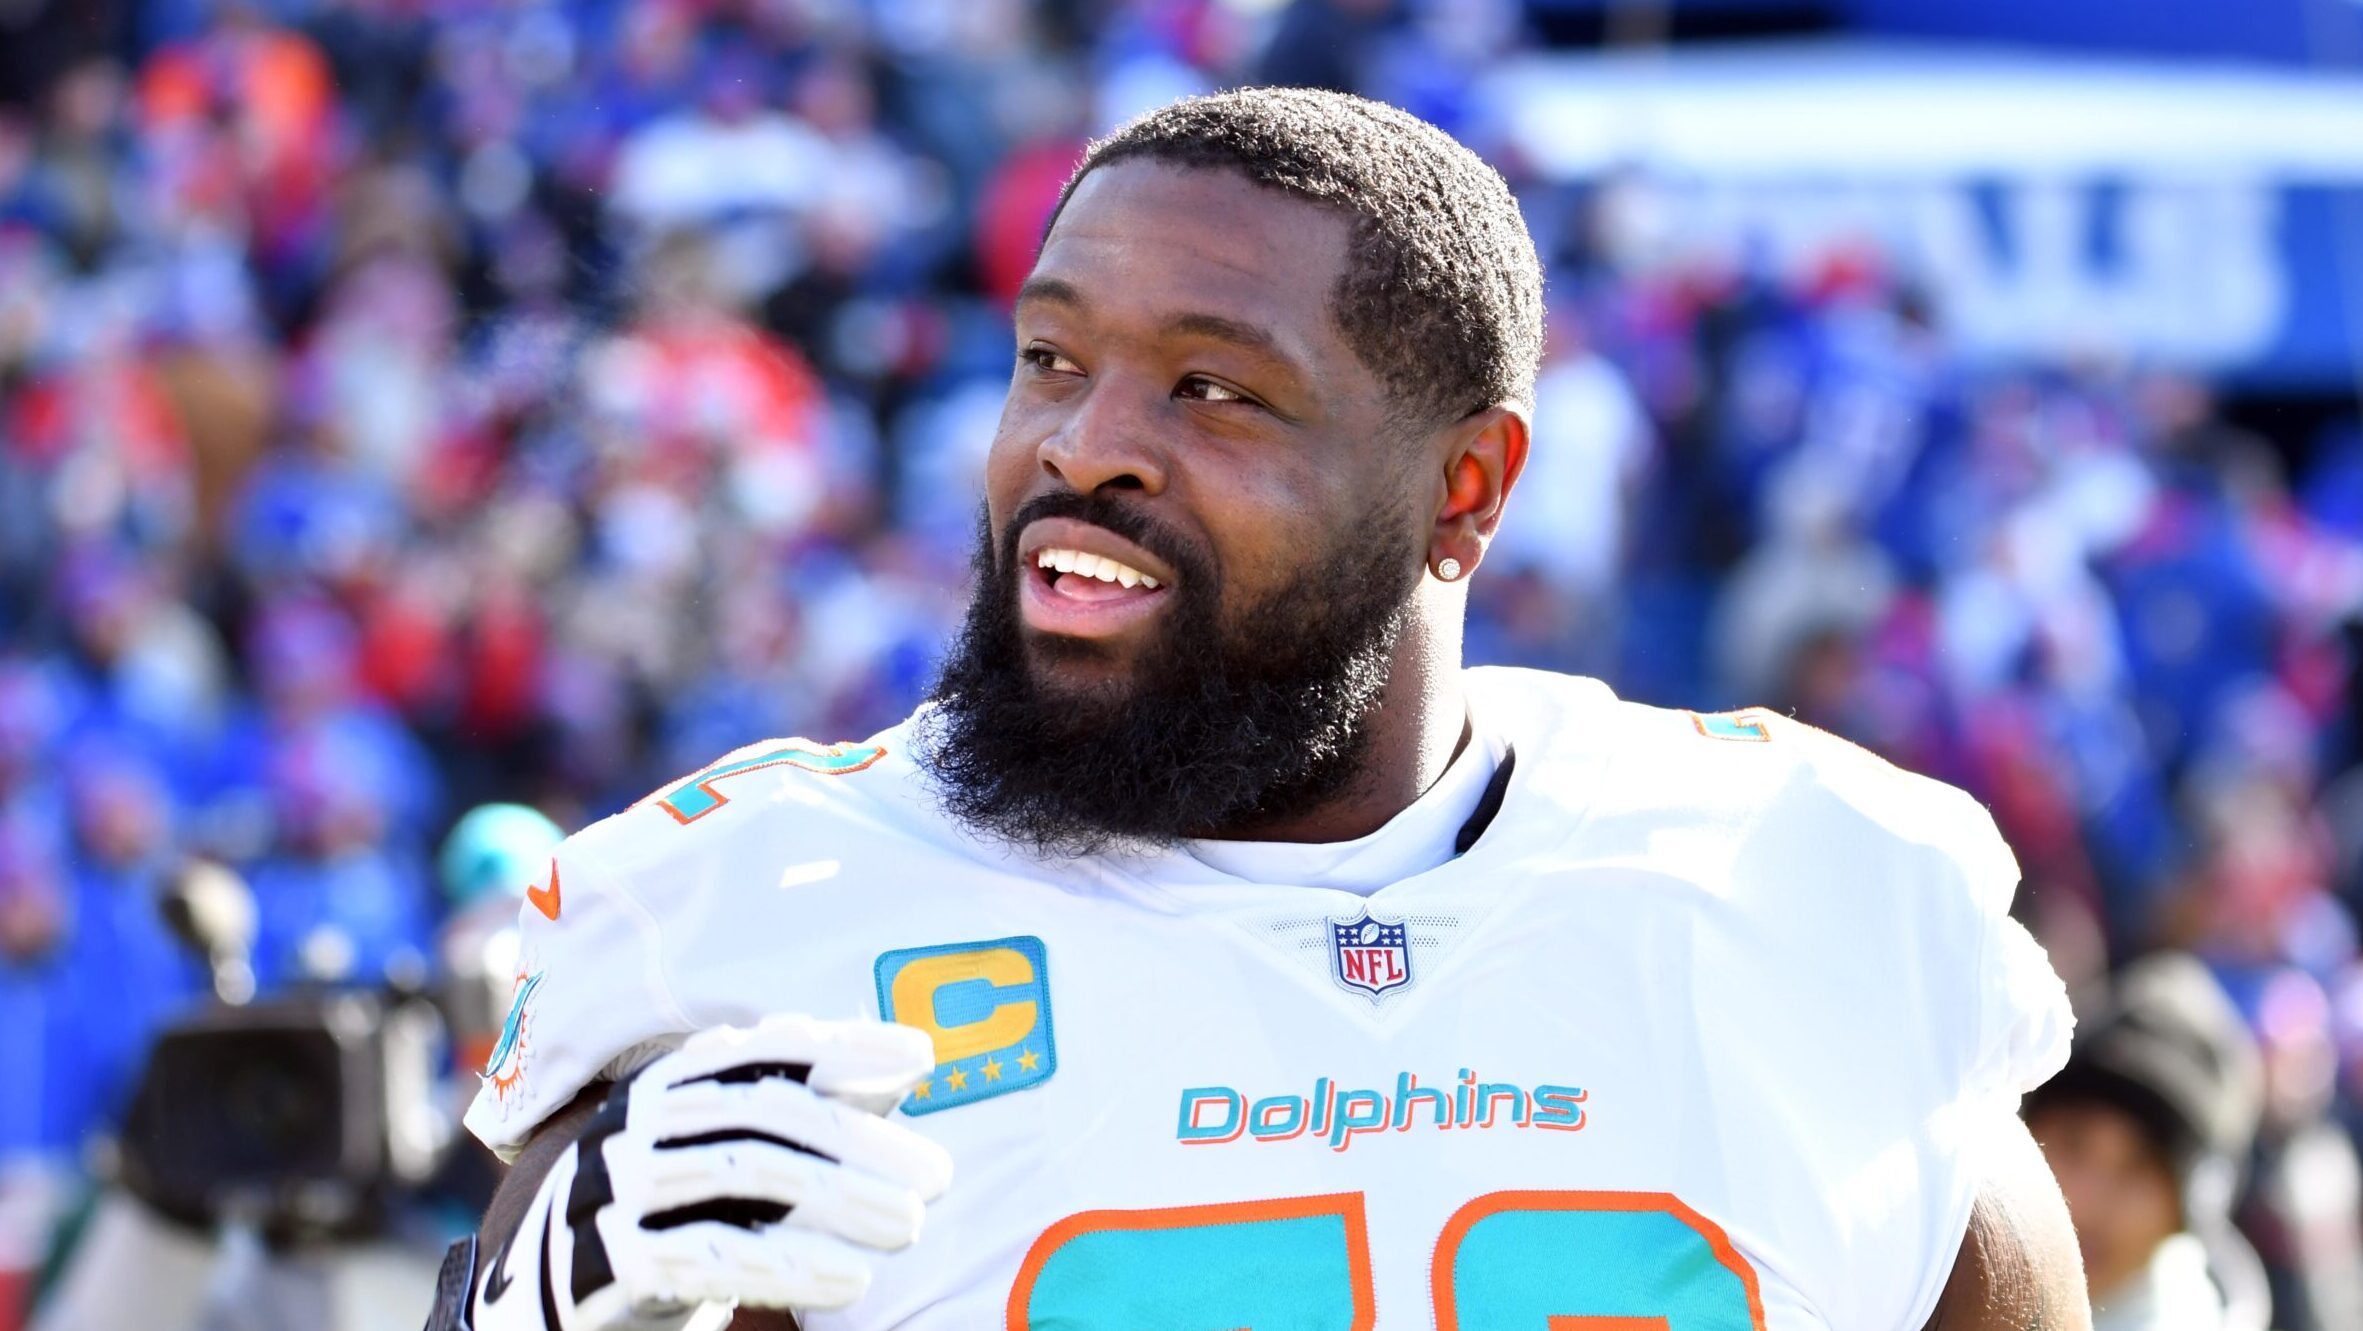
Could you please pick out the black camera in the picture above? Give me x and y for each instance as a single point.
(300, 1116)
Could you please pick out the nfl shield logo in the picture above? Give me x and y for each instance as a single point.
(1370, 956)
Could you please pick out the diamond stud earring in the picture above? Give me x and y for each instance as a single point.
(1448, 568)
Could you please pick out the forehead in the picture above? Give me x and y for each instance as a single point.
(1152, 239)
(2097, 1127)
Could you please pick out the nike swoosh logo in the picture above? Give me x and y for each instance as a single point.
(499, 1281)
(545, 899)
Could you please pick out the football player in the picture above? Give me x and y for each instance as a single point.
(1258, 965)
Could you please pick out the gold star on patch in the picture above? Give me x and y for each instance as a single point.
(992, 1070)
(956, 1079)
(1028, 1060)
(920, 1091)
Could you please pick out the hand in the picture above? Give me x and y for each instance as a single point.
(753, 1165)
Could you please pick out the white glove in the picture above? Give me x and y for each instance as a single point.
(751, 1166)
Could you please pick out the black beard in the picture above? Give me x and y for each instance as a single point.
(1226, 725)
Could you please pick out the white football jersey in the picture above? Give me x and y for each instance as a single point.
(1695, 1030)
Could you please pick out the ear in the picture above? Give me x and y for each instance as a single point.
(1483, 453)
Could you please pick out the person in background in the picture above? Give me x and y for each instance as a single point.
(2303, 1206)
(2145, 1128)
(37, 1078)
(495, 860)
(493, 857)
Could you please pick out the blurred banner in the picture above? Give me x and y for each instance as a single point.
(2301, 32)
(2197, 216)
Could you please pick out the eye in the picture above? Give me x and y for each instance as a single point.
(1199, 388)
(1048, 361)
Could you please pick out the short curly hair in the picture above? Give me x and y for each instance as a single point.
(1443, 297)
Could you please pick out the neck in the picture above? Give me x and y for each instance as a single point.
(1419, 727)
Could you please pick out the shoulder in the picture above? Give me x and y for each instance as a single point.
(820, 795)
(1752, 784)
(650, 921)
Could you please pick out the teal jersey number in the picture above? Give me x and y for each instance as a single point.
(1590, 1261)
(1302, 1263)
(1508, 1261)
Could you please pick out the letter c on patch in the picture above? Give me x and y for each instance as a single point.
(919, 988)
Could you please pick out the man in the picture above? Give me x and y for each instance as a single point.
(1259, 966)
(2145, 1129)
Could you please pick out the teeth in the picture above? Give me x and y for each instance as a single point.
(1093, 566)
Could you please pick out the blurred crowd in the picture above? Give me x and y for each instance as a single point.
(408, 404)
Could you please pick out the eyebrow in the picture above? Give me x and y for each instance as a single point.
(1055, 290)
(1195, 323)
(1217, 328)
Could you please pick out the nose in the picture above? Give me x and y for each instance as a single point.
(1110, 441)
